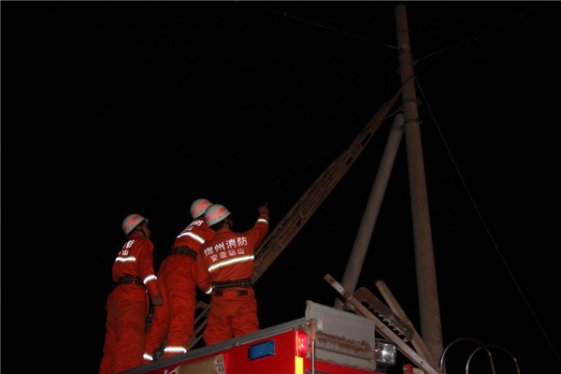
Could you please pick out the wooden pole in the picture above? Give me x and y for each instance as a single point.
(429, 310)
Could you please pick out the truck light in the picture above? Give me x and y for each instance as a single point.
(301, 343)
(385, 354)
(263, 349)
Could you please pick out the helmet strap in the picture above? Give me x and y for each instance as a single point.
(140, 228)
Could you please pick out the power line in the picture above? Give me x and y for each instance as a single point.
(329, 28)
(478, 34)
(484, 224)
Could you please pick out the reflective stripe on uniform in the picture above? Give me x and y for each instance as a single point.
(192, 235)
(175, 349)
(125, 259)
(263, 220)
(229, 262)
(149, 278)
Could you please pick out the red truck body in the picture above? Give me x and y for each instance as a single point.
(325, 341)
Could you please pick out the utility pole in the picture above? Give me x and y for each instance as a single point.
(431, 329)
(370, 215)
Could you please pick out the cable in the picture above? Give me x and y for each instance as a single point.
(486, 228)
(329, 28)
(476, 35)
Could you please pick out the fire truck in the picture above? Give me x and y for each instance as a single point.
(364, 338)
(325, 340)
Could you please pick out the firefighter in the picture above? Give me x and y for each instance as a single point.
(127, 305)
(173, 323)
(225, 269)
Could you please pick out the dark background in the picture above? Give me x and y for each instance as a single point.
(110, 108)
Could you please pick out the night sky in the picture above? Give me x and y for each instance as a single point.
(110, 108)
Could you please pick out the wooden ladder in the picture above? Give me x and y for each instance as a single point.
(381, 327)
(293, 221)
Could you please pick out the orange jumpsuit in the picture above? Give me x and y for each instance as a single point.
(174, 321)
(227, 264)
(127, 306)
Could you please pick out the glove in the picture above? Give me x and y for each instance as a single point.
(263, 209)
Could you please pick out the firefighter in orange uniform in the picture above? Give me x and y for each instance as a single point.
(127, 306)
(224, 271)
(173, 323)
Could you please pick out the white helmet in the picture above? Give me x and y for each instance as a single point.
(199, 207)
(131, 221)
(216, 213)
